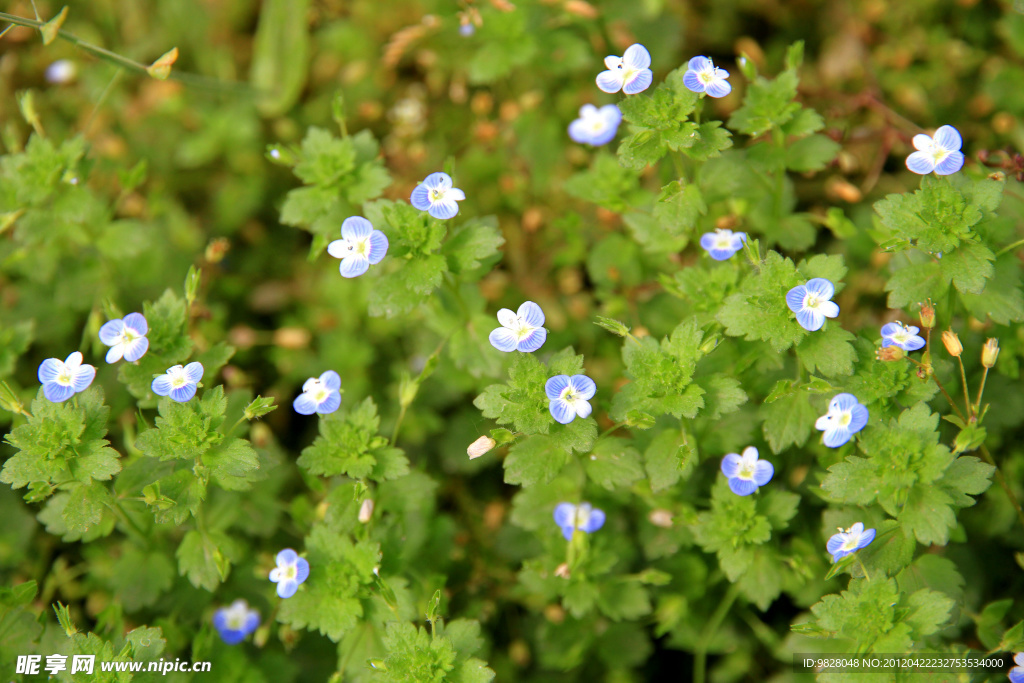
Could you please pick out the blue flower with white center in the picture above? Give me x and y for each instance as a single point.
(903, 336)
(179, 383)
(319, 395)
(1016, 674)
(596, 126)
(583, 517)
(360, 246)
(745, 472)
(63, 379)
(236, 622)
(940, 153)
(436, 196)
(126, 338)
(523, 330)
(849, 541)
(722, 244)
(291, 570)
(569, 396)
(812, 303)
(629, 73)
(845, 417)
(703, 76)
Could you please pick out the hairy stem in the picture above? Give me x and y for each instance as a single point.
(710, 630)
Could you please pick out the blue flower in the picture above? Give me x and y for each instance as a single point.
(630, 73)
(849, 541)
(583, 517)
(126, 338)
(722, 244)
(62, 380)
(360, 246)
(596, 126)
(1016, 674)
(234, 623)
(319, 395)
(436, 196)
(569, 396)
(179, 383)
(812, 303)
(291, 570)
(905, 337)
(523, 330)
(845, 417)
(703, 76)
(746, 473)
(940, 154)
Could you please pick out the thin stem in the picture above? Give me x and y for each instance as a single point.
(4, 32)
(398, 423)
(123, 515)
(1009, 248)
(131, 64)
(863, 568)
(963, 380)
(981, 391)
(611, 429)
(101, 100)
(700, 665)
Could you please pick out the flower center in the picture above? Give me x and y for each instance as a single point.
(523, 329)
(436, 195)
(723, 242)
(707, 76)
(582, 516)
(851, 542)
(938, 153)
(812, 300)
(845, 419)
(568, 394)
(64, 378)
(178, 380)
(746, 472)
(289, 572)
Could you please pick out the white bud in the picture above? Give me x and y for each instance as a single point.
(660, 517)
(366, 510)
(480, 446)
(562, 571)
(61, 72)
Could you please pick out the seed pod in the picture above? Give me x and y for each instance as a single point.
(952, 343)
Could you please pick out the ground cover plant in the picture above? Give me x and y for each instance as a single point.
(536, 341)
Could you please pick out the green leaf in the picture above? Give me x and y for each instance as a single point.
(767, 104)
(788, 421)
(734, 527)
(534, 460)
(280, 55)
(349, 444)
(201, 561)
(522, 402)
(828, 351)
(472, 244)
(85, 507)
(613, 464)
(759, 310)
(812, 153)
(606, 184)
(671, 455)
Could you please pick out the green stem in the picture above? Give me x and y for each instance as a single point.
(130, 64)
(611, 429)
(123, 515)
(1001, 480)
(1009, 248)
(963, 380)
(100, 101)
(710, 630)
(863, 568)
(398, 423)
(981, 391)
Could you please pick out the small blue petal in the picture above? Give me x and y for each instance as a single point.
(330, 404)
(835, 542)
(699, 63)
(835, 436)
(636, 56)
(821, 287)
(354, 265)
(444, 209)
(161, 385)
(330, 380)
(951, 164)
(810, 320)
(889, 329)
(842, 402)
(286, 589)
(562, 411)
(438, 180)
(378, 247)
(304, 404)
(194, 371)
(252, 622)
(719, 88)
(57, 393)
(286, 556)
(533, 341)
(763, 472)
(49, 370)
(531, 313)
(948, 138)
(356, 228)
(82, 377)
(554, 387)
(795, 298)
(858, 419)
(639, 82)
(866, 538)
(692, 81)
(564, 513)
(609, 81)
(731, 465)
(301, 570)
(502, 339)
(584, 386)
(420, 197)
(594, 522)
(920, 163)
(567, 532)
(742, 487)
(183, 394)
(722, 254)
(136, 349)
(137, 322)
(111, 331)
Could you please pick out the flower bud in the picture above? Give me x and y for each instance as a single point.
(562, 571)
(480, 446)
(927, 316)
(952, 343)
(660, 517)
(889, 354)
(990, 352)
(366, 510)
